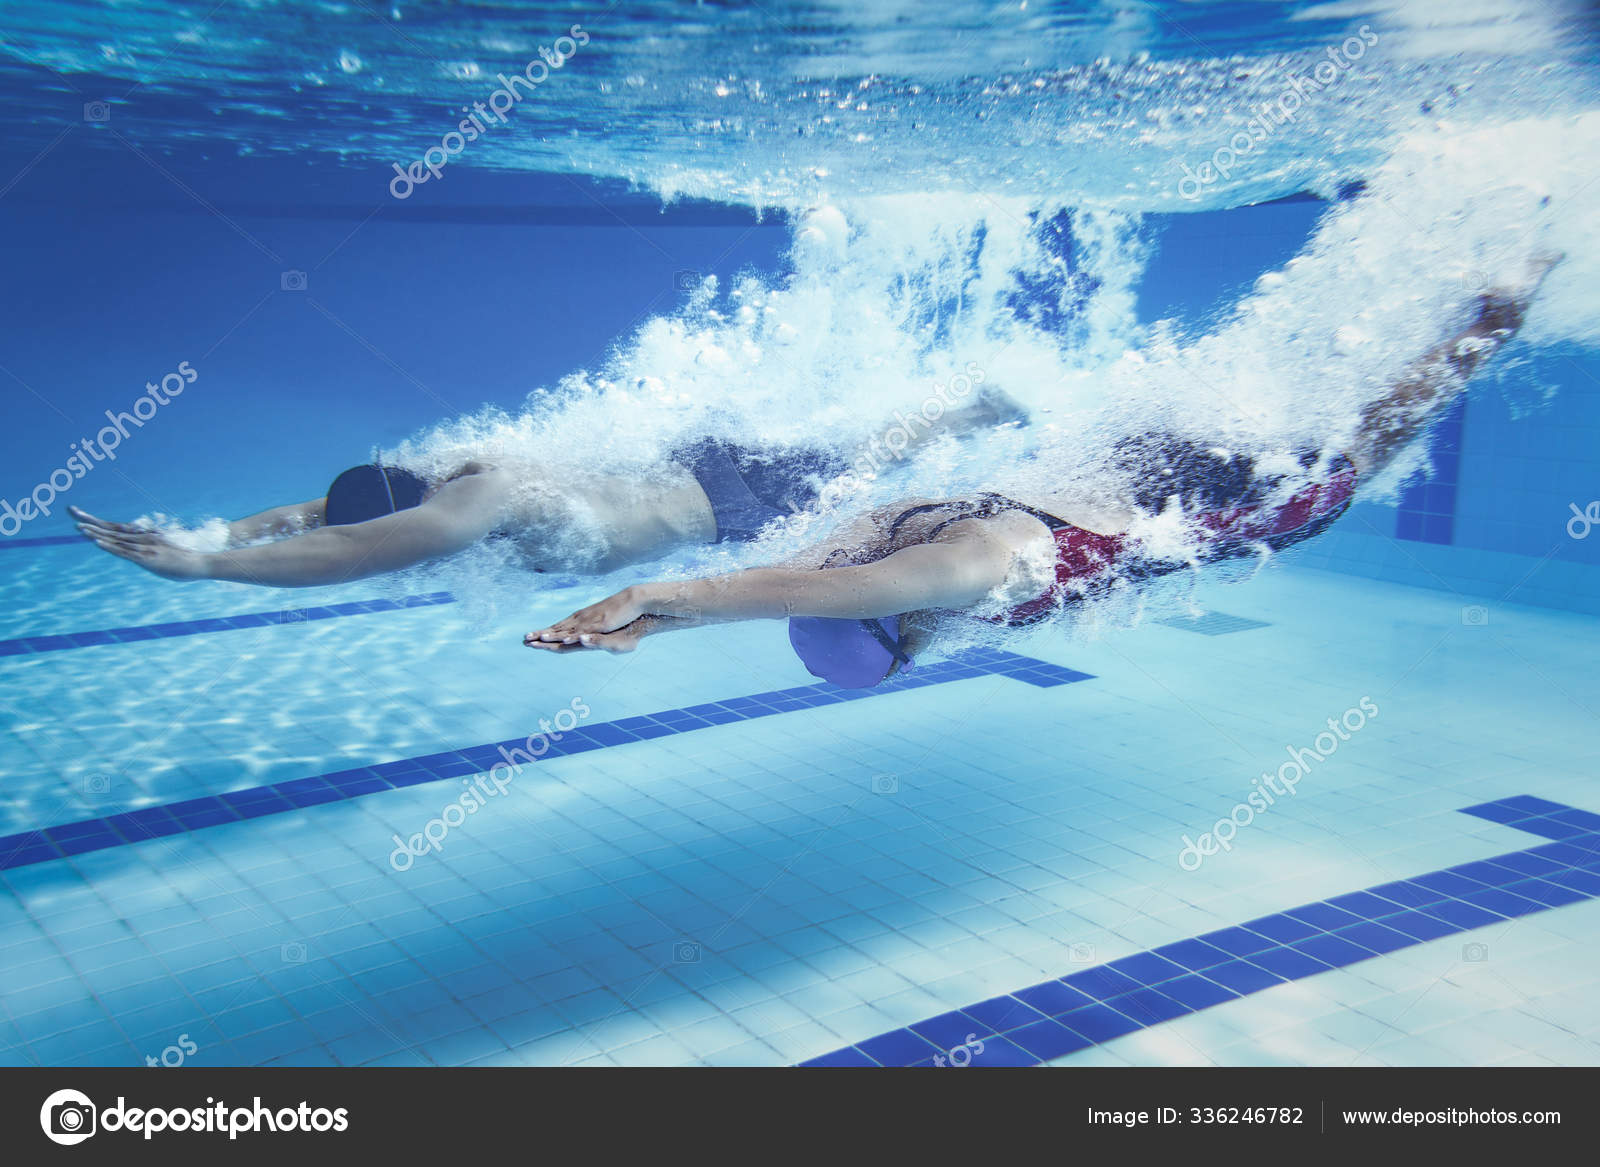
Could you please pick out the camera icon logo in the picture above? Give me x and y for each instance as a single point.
(293, 281)
(67, 1117)
(885, 784)
(1081, 954)
(687, 281)
(96, 111)
(1475, 615)
(293, 953)
(292, 616)
(1475, 952)
(686, 952)
(97, 784)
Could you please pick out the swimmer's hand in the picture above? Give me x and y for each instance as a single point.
(597, 626)
(624, 639)
(149, 549)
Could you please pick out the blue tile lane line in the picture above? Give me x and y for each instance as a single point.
(151, 822)
(1046, 1021)
(25, 645)
(45, 541)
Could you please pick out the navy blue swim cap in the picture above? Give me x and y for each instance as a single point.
(370, 492)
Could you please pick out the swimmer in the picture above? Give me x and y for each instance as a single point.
(376, 519)
(861, 611)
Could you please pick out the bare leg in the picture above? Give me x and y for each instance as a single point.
(1389, 424)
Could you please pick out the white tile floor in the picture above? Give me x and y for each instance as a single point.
(740, 895)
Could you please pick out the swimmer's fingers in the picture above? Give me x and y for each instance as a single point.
(564, 632)
(151, 551)
(85, 519)
(608, 615)
(135, 542)
(133, 537)
(91, 527)
(121, 550)
(559, 635)
(555, 646)
(589, 642)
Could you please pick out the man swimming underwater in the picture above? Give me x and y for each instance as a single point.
(861, 610)
(376, 519)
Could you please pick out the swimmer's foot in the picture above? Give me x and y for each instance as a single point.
(1533, 273)
(1502, 309)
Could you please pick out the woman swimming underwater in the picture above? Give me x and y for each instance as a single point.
(860, 611)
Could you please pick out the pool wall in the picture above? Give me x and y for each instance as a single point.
(1510, 462)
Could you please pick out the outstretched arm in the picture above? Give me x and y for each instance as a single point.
(292, 519)
(454, 517)
(332, 555)
(1429, 386)
(956, 573)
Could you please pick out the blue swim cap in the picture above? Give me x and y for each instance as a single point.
(853, 654)
(370, 492)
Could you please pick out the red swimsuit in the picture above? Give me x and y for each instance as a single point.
(1085, 559)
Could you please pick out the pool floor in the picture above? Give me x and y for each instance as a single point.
(796, 879)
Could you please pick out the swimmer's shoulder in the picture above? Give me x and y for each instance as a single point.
(501, 477)
(476, 484)
(471, 468)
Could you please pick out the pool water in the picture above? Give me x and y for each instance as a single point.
(1340, 812)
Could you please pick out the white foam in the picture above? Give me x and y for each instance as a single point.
(889, 296)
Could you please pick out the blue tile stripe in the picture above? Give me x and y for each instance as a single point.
(152, 822)
(45, 541)
(25, 645)
(1045, 1021)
